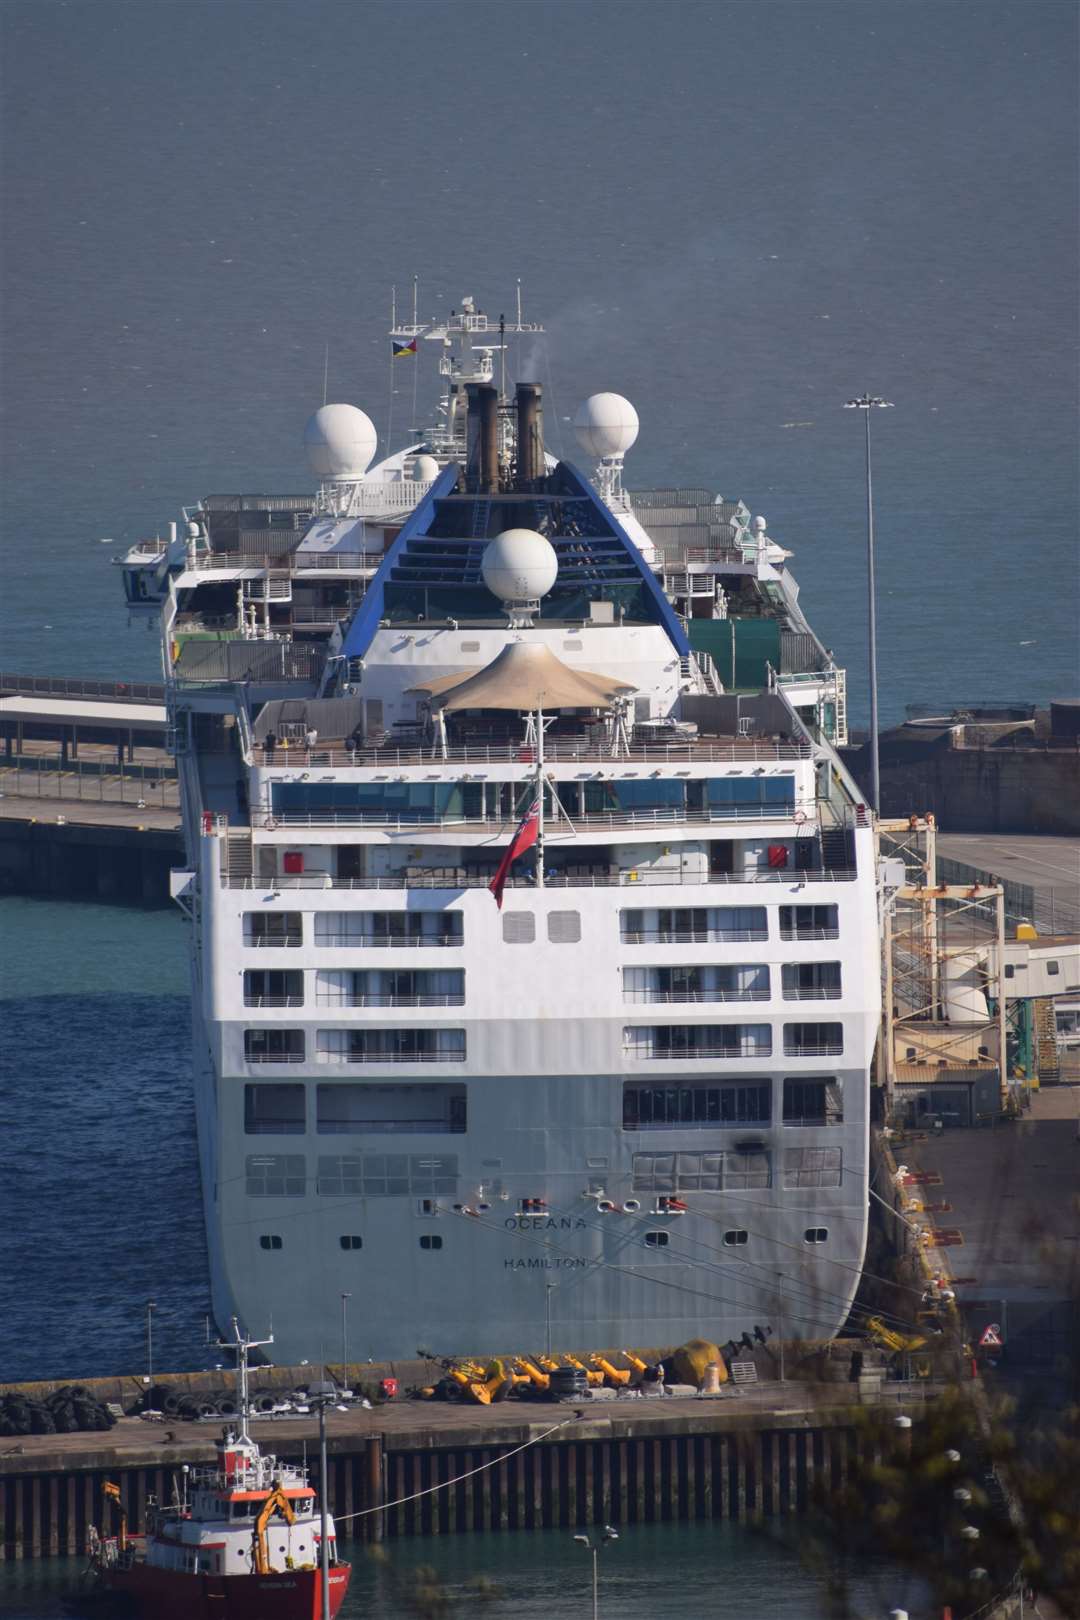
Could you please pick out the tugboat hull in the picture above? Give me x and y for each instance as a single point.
(169, 1594)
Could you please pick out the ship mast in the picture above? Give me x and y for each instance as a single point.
(241, 1344)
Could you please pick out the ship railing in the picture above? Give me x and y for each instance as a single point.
(649, 1052)
(62, 686)
(818, 1049)
(390, 1057)
(816, 993)
(498, 826)
(632, 878)
(689, 751)
(273, 1001)
(810, 933)
(695, 997)
(344, 999)
(290, 561)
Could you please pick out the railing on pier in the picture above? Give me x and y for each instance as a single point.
(65, 686)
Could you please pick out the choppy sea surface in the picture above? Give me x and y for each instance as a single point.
(653, 1572)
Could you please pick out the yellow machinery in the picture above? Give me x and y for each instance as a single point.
(890, 1339)
(111, 1493)
(540, 1380)
(276, 1502)
(616, 1376)
(486, 1384)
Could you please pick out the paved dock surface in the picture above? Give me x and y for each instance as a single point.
(417, 1424)
(1040, 863)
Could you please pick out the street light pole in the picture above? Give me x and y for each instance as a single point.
(867, 403)
(344, 1336)
(609, 1534)
(322, 1394)
(151, 1307)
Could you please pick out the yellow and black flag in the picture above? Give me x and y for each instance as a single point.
(403, 348)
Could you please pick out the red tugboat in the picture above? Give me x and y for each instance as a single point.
(244, 1543)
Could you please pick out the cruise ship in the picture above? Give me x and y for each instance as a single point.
(534, 917)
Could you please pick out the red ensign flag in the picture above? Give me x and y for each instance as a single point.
(524, 838)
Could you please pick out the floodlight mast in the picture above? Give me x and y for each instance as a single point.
(867, 403)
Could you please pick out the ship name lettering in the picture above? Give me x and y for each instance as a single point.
(545, 1263)
(545, 1223)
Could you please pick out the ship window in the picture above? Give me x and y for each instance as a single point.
(431, 1240)
(667, 1042)
(816, 1234)
(382, 929)
(811, 981)
(809, 922)
(518, 927)
(391, 1045)
(814, 1102)
(351, 1240)
(388, 1175)
(813, 1040)
(742, 793)
(345, 1109)
(274, 1045)
(273, 987)
(274, 1110)
(564, 927)
(737, 1171)
(657, 1240)
(736, 1239)
(696, 1106)
(813, 1167)
(275, 1175)
(270, 1240)
(693, 925)
(273, 928)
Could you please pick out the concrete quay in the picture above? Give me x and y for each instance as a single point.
(409, 1468)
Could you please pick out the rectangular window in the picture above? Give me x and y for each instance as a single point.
(379, 803)
(813, 1040)
(385, 929)
(814, 1102)
(390, 987)
(274, 1045)
(700, 1105)
(809, 922)
(657, 1240)
(710, 982)
(363, 1110)
(736, 1239)
(388, 1175)
(273, 928)
(391, 1045)
(752, 795)
(275, 1175)
(811, 981)
(812, 1167)
(430, 1240)
(664, 1042)
(701, 1172)
(274, 1110)
(351, 1240)
(270, 1240)
(273, 987)
(692, 925)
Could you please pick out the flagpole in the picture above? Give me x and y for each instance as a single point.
(540, 798)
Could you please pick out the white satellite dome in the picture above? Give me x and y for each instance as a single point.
(519, 565)
(425, 468)
(340, 441)
(606, 425)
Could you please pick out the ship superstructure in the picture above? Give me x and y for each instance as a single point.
(627, 1104)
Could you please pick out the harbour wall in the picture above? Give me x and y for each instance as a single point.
(64, 861)
(713, 1463)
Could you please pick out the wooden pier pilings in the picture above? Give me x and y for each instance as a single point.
(711, 1464)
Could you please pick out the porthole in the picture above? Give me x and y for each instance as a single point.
(351, 1240)
(736, 1239)
(816, 1234)
(270, 1240)
(657, 1240)
(431, 1240)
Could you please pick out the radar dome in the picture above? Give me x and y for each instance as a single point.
(340, 441)
(425, 468)
(519, 565)
(606, 425)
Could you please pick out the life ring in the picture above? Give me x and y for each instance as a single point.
(270, 825)
(799, 817)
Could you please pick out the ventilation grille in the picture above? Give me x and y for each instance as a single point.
(519, 927)
(564, 927)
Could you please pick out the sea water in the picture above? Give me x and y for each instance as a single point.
(652, 1572)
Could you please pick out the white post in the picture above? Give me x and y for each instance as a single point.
(324, 1543)
(151, 1306)
(595, 1583)
(540, 798)
(780, 1277)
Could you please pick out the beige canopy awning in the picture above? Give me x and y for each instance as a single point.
(524, 677)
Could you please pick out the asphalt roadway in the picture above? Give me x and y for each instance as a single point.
(1042, 863)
